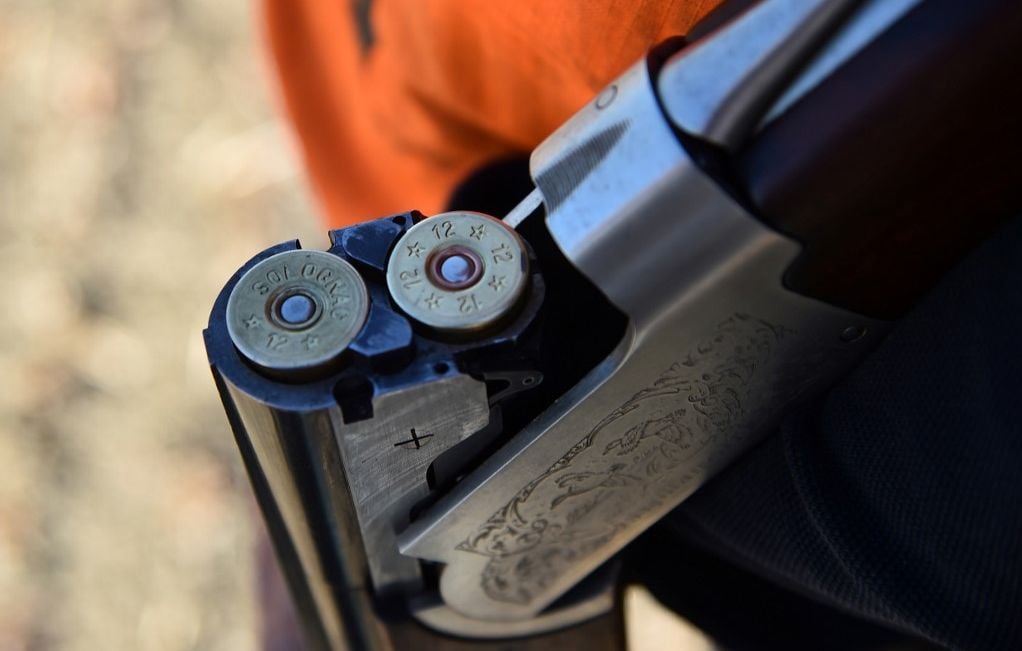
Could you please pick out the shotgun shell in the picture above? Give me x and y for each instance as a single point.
(297, 311)
(458, 272)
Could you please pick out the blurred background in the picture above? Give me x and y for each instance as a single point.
(142, 161)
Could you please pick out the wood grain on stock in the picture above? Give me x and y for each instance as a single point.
(903, 161)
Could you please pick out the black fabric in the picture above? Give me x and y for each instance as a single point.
(898, 496)
(494, 188)
(742, 611)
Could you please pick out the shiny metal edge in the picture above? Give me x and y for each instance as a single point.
(291, 456)
(718, 88)
(868, 23)
(525, 207)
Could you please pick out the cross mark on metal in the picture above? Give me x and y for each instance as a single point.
(416, 439)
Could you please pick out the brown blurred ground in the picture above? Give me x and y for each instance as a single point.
(141, 162)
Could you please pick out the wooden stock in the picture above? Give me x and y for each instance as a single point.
(900, 162)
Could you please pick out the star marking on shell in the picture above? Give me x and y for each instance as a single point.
(416, 250)
(432, 301)
(478, 231)
(497, 283)
(310, 341)
(251, 322)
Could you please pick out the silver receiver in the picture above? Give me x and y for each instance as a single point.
(716, 352)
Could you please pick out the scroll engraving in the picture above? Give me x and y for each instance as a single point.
(636, 460)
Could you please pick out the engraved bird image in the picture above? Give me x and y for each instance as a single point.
(580, 483)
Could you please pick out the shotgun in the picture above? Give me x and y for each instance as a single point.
(454, 425)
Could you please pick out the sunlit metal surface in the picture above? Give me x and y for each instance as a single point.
(719, 88)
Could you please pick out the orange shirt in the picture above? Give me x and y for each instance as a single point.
(396, 109)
